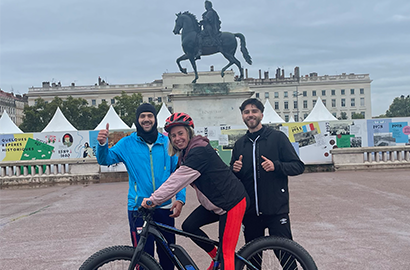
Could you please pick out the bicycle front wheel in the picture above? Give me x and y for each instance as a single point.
(116, 258)
(274, 253)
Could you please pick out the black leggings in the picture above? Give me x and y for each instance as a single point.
(198, 218)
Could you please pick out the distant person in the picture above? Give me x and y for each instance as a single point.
(88, 151)
(145, 156)
(263, 159)
(222, 196)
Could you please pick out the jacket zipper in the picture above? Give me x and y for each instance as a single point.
(255, 175)
(152, 169)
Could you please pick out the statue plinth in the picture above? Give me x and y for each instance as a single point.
(211, 104)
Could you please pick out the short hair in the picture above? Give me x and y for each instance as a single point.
(172, 150)
(252, 101)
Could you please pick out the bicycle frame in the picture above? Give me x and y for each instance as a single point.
(150, 227)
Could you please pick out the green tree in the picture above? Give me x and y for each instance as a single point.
(343, 116)
(126, 106)
(400, 107)
(357, 116)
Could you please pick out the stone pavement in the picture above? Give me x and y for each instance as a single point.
(346, 220)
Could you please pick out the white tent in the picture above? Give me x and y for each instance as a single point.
(59, 123)
(270, 115)
(7, 126)
(133, 126)
(291, 120)
(162, 115)
(113, 119)
(319, 113)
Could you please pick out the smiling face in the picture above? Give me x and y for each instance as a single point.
(252, 117)
(146, 120)
(179, 137)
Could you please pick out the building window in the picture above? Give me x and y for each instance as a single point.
(286, 117)
(333, 92)
(305, 115)
(323, 92)
(276, 94)
(361, 91)
(276, 105)
(295, 104)
(285, 94)
(361, 101)
(353, 113)
(342, 92)
(314, 93)
(266, 94)
(113, 101)
(333, 103)
(314, 102)
(103, 100)
(286, 105)
(295, 116)
(305, 104)
(364, 114)
(334, 114)
(159, 99)
(305, 93)
(150, 99)
(169, 99)
(93, 102)
(352, 91)
(352, 102)
(324, 102)
(343, 102)
(257, 95)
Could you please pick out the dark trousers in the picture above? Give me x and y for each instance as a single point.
(277, 225)
(162, 216)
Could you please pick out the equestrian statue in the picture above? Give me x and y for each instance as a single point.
(205, 38)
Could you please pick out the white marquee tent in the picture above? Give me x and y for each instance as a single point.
(7, 126)
(162, 115)
(319, 113)
(113, 119)
(59, 123)
(291, 119)
(270, 115)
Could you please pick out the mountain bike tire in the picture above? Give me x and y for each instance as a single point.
(118, 257)
(275, 253)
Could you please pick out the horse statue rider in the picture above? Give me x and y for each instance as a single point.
(211, 26)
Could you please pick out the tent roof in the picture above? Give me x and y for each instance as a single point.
(113, 119)
(319, 113)
(59, 123)
(7, 126)
(162, 115)
(291, 119)
(270, 115)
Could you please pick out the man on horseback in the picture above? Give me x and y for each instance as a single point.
(211, 28)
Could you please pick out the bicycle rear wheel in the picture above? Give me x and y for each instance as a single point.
(116, 258)
(274, 253)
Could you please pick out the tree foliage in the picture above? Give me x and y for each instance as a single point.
(400, 107)
(76, 110)
(126, 106)
(79, 113)
(343, 116)
(357, 116)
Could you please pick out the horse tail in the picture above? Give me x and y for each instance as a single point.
(244, 50)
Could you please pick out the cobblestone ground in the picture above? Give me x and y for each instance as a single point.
(346, 220)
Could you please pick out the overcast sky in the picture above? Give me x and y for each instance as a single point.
(131, 41)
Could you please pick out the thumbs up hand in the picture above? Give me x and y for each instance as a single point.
(268, 165)
(237, 165)
(103, 134)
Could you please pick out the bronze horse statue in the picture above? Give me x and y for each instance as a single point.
(189, 36)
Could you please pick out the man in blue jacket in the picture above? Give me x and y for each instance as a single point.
(145, 155)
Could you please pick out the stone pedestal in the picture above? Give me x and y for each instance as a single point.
(211, 104)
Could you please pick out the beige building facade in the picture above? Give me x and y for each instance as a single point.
(291, 96)
(13, 105)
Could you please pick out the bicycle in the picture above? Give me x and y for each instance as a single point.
(263, 253)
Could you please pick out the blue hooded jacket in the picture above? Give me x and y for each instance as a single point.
(147, 169)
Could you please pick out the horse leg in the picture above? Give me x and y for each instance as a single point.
(232, 60)
(182, 58)
(193, 63)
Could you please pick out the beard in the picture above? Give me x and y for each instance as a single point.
(253, 122)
